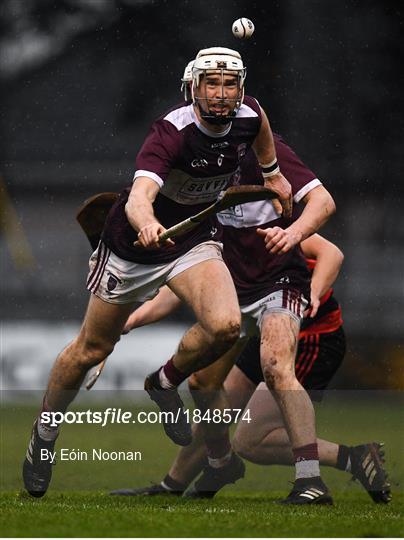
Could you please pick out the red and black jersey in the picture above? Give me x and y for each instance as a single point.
(328, 317)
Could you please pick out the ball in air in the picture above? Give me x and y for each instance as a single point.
(243, 28)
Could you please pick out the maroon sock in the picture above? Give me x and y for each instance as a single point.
(44, 429)
(308, 452)
(173, 374)
(44, 408)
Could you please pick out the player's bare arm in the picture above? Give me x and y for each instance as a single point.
(329, 259)
(140, 214)
(264, 148)
(319, 206)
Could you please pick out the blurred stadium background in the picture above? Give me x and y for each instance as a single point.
(81, 81)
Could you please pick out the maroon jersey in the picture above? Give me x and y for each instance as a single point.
(191, 165)
(255, 271)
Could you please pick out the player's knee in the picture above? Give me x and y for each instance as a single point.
(243, 445)
(227, 333)
(194, 383)
(278, 376)
(282, 348)
(94, 351)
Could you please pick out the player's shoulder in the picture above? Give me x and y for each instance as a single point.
(250, 108)
(302, 178)
(282, 147)
(178, 117)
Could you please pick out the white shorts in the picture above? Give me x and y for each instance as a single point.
(118, 281)
(286, 301)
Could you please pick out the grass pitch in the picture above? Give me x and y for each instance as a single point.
(78, 504)
(229, 514)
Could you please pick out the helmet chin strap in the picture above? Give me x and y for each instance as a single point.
(216, 120)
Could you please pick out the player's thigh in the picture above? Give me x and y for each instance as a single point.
(208, 288)
(264, 415)
(103, 322)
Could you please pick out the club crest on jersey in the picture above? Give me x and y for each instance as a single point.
(113, 282)
(236, 177)
(241, 150)
(220, 160)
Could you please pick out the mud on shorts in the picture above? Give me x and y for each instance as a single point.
(318, 357)
(118, 281)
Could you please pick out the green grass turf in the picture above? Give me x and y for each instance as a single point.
(233, 514)
(77, 503)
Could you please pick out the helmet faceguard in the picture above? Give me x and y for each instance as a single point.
(187, 81)
(218, 61)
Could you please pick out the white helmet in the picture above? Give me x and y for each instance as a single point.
(187, 80)
(187, 77)
(218, 60)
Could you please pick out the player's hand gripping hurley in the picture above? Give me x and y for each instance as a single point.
(232, 196)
